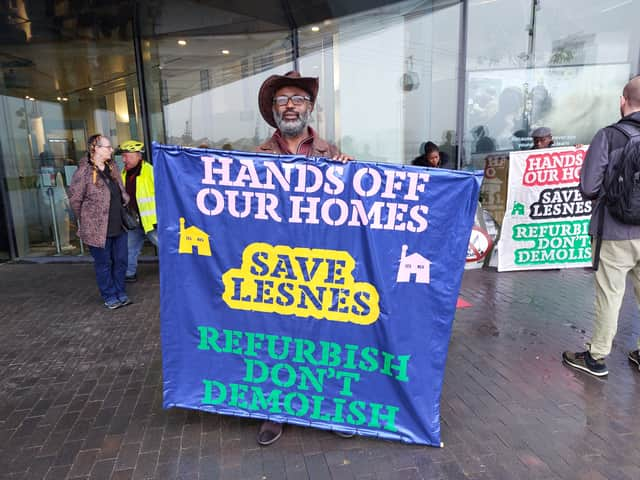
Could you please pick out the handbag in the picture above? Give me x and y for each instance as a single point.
(130, 220)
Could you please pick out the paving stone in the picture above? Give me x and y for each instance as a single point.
(81, 392)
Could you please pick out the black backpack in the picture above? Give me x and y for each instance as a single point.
(622, 183)
(621, 186)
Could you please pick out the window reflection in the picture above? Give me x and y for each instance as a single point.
(210, 97)
(397, 64)
(75, 78)
(388, 80)
(564, 71)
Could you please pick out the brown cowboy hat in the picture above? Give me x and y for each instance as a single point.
(275, 82)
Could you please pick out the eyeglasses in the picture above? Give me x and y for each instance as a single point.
(105, 146)
(283, 100)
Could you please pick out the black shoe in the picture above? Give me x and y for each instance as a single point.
(634, 356)
(269, 433)
(585, 362)
(131, 278)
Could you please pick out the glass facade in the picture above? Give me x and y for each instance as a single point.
(406, 51)
(475, 77)
(64, 77)
(558, 64)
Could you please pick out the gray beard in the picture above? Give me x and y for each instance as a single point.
(291, 128)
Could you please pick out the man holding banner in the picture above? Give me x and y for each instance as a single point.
(301, 290)
(620, 242)
(286, 102)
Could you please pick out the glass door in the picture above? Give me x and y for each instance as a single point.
(56, 91)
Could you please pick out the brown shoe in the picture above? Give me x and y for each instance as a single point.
(269, 433)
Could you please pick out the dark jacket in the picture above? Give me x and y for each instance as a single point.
(319, 147)
(90, 202)
(605, 149)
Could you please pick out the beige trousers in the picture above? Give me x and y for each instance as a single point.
(617, 259)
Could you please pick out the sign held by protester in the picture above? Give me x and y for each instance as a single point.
(547, 220)
(309, 291)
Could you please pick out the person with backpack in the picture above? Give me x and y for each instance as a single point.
(610, 177)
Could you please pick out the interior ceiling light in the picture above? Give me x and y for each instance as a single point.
(91, 89)
(226, 52)
(65, 99)
(315, 28)
(182, 42)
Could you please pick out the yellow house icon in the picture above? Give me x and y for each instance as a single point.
(193, 237)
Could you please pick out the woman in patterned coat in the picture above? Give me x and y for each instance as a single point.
(96, 195)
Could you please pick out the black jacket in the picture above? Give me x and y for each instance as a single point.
(605, 148)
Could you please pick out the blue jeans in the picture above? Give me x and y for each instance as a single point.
(135, 242)
(110, 264)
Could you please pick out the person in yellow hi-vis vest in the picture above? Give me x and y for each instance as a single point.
(137, 177)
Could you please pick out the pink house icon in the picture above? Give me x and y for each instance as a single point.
(414, 265)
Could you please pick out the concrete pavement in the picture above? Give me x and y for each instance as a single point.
(81, 392)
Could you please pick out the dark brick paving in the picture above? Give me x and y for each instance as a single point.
(81, 392)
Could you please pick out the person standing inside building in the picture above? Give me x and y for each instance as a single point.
(138, 180)
(620, 247)
(96, 195)
(430, 156)
(542, 138)
(286, 102)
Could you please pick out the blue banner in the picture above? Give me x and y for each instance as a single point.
(308, 291)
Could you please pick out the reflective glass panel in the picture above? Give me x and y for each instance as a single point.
(204, 69)
(65, 76)
(388, 79)
(564, 70)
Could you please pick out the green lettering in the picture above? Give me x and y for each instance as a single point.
(389, 418)
(357, 415)
(330, 354)
(232, 341)
(338, 415)
(350, 361)
(272, 341)
(250, 371)
(317, 414)
(208, 339)
(270, 403)
(346, 384)
(254, 342)
(314, 377)
(237, 398)
(297, 408)
(369, 361)
(401, 367)
(208, 398)
(289, 372)
(304, 351)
